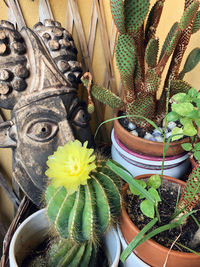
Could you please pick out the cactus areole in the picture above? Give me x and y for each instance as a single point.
(83, 199)
(138, 62)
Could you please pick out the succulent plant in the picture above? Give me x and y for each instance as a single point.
(67, 253)
(140, 68)
(83, 201)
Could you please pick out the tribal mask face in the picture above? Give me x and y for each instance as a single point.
(39, 76)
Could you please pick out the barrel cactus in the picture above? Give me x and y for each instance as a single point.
(67, 253)
(140, 67)
(83, 201)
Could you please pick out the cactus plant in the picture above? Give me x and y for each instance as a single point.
(83, 201)
(137, 58)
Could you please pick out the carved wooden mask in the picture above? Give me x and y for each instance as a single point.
(39, 76)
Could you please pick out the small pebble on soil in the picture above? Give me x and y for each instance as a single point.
(154, 135)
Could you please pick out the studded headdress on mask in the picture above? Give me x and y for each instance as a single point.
(36, 64)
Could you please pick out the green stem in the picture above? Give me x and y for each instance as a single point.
(165, 145)
(193, 217)
(157, 212)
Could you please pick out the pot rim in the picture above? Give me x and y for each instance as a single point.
(151, 242)
(153, 148)
(149, 159)
(110, 237)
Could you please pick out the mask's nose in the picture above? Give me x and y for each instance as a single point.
(65, 132)
(7, 134)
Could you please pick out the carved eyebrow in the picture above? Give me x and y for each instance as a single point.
(47, 115)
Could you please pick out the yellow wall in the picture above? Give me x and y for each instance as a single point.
(172, 13)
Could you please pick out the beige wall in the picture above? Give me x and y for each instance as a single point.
(172, 13)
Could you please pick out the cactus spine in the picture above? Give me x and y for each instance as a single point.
(83, 217)
(135, 46)
(67, 253)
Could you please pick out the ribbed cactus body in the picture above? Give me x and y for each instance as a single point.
(67, 253)
(87, 213)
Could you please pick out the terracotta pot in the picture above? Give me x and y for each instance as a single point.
(138, 164)
(144, 146)
(151, 252)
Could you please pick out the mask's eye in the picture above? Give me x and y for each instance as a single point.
(81, 118)
(42, 131)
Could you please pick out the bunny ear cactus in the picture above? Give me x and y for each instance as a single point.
(136, 45)
(83, 200)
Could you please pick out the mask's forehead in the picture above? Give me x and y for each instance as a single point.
(50, 108)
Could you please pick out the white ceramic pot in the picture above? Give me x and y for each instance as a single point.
(36, 228)
(132, 260)
(138, 164)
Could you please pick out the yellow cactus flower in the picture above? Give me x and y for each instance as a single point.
(71, 165)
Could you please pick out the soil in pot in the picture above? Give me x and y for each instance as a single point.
(166, 208)
(39, 256)
(152, 134)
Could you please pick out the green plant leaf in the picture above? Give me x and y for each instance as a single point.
(189, 129)
(185, 121)
(182, 109)
(177, 133)
(193, 114)
(147, 208)
(189, 249)
(116, 169)
(172, 116)
(197, 121)
(187, 146)
(197, 155)
(154, 194)
(178, 97)
(127, 116)
(134, 190)
(193, 92)
(154, 181)
(133, 244)
(197, 146)
(163, 228)
(197, 102)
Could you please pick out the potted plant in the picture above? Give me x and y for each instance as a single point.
(141, 72)
(185, 108)
(30, 234)
(82, 202)
(150, 203)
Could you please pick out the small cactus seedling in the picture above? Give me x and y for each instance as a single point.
(83, 201)
(137, 59)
